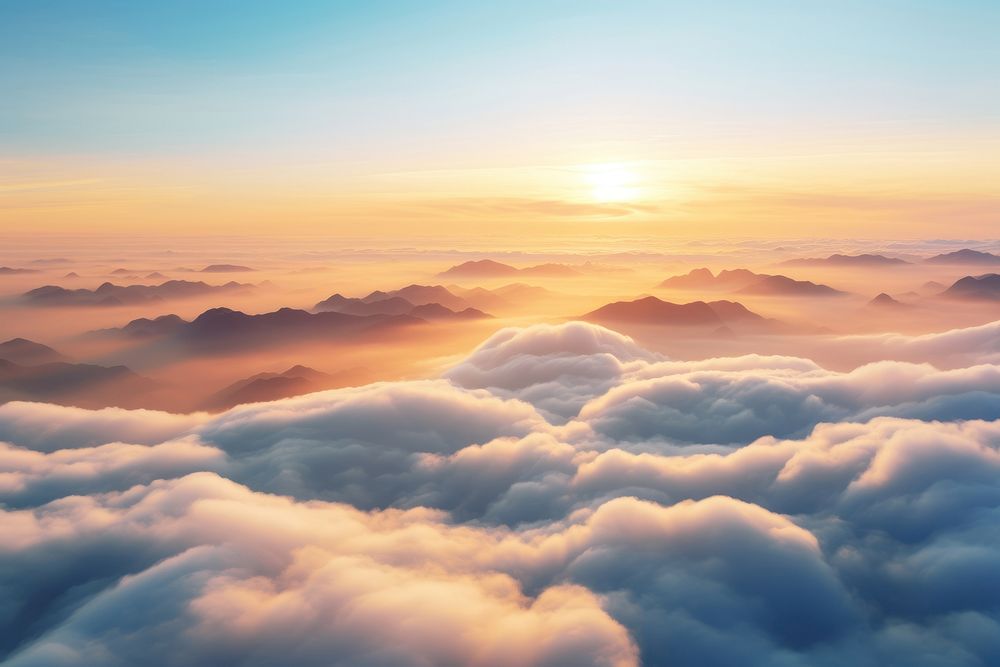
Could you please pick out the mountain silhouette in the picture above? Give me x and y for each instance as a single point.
(295, 381)
(651, 310)
(488, 268)
(225, 268)
(26, 352)
(866, 260)
(109, 294)
(747, 282)
(983, 288)
(83, 385)
(966, 256)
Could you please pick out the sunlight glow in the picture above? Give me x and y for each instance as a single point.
(611, 182)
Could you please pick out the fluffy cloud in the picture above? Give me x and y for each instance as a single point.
(755, 510)
(557, 368)
(48, 427)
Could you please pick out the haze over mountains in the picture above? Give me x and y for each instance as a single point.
(653, 311)
(109, 294)
(985, 287)
(488, 268)
(30, 371)
(268, 386)
(864, 260)
(747, 282)
(966, 256)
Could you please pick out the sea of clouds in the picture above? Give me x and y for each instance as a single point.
(561, 497)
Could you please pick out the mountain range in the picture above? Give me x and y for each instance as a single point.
(488, 268)
(866, 260)
(744, 281)
(109, 294)
(965, 256)
(650, 310)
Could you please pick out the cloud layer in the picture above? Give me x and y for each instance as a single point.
(561, 497)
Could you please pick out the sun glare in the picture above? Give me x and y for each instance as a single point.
(611, 183)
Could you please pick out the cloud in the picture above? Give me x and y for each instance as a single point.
(556, 368)
(48, 427)
(753, 510)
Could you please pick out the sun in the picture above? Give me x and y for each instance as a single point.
(611, 182)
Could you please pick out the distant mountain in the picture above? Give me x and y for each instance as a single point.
(419, 295)
(72, 274)
(11, 271)
(704, 279)
(396, 305)
(482, 268)
(355, 306)
(223, 328)
(295, 381)
(225, 268)
(84, 385)
(550, 271)
(150, 328)
(982, 288)
(847, 260)
(933, 287)
(122, 272)
(487, 268)
(747, 282)
(435, 311)
(512, 296)
(785, 286)
(966, 256)
(884, 301)
(27, 352)
(651, 310)
(155, 275)
(110, 294)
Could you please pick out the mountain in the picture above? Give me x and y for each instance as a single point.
(933, 287)
(514, 295)
(847, 260)
(395, 305)
(223, 328)
(487, 268)
(150, 328)
(482, 268)
(83, 385)
(419, 295)
(435, 311)
(550, 271)
(354, 306)
(225, 268)
(110, 294)
(747, 282)
(884, 301)
(11, 271)
(785, 286)
(982, 288)
(295, 381)
(651, 310)
(966, 256)
(705, 279)
(23, 351)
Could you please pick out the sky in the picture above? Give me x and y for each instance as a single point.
(456, 118)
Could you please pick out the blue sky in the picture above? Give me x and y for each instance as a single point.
(733, 112)
(204, 76)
